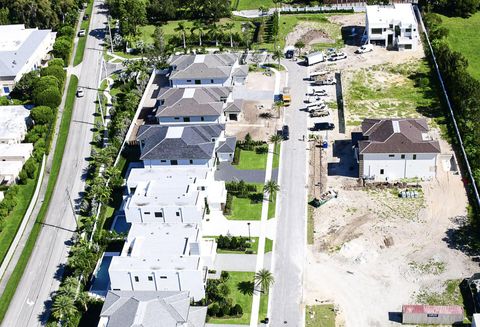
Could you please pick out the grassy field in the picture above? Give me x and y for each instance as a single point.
(272, 206)
(253, 4)
(310, 225)
(250, 160)
(244, 209)
(245, 300)
(268, 245)
(320, 316)
(389, 91)
(276, 155)
(463, 38)
(13, 221)
(146, 32)
(83, 40)
(57, 161)
(263, 310)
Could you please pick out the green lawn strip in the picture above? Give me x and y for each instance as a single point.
(253, 248)
(56, 163)
(310, 225)
(14, 219)
(276, 155)
(250, 160)
(320, 315)
(268, 245)
(126, 55)
(254, 4)
(463, 37)
(272, 206)
(82, 40)
(263, 311)
(245, 300)
(244, 209)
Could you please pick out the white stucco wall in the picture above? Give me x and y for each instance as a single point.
(222, 157)
(192, 119)
(203, 162)
(424, 166)
(203, 82)
(170, 213)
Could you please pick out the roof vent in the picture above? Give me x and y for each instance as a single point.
(396, 126)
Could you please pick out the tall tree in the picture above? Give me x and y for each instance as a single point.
(229, 27)
(132, 14)
(181, 28)
(215, 32)
(200, 27)
(263, 279)
(63, 308)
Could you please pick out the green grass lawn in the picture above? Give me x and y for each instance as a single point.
(83, 40)
(272, 206)
(245, 300)
(276, 155)
(310, 224)
(253, 248)
(263, 311)
(320, 316)
(268, 245)
(14, 220)
(250, 160)
(253, 4)
(244, 209)
(388, 91)
(463, 37)
(57, 161)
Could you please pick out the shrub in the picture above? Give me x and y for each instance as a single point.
(236, 156)
(261, 150)
(236, 310)
(42, 115)
(22, 177)
(62, 48)
(224, 275)
(50, 97)
(44, 83)
(213, 310)
(30, 168)
(224, 310)
(54, 70)
(228, 205)
(56, 62)
(67, 31)
(25, 86)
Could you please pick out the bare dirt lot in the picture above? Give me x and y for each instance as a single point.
(373, 251)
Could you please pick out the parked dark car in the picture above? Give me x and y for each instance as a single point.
(285, 132)
(323, 127)
(289, 54)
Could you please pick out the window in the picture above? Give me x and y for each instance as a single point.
(150, 278)
(202, 118)
(137, 279)
(6, 89)
(146, 213)
(390, 26)
(189, 80)
(173, 162)
(186, 119)
(408, 30)
(382, 171)
(191, 161)
(176, 118)
(211, 81)
(377, 31)
(163, 160)
(177, 213)
(391, 156)
(402, 156)
(158, 214)
(197, 81)
(414, 157)
(408, 46)
(163, 277)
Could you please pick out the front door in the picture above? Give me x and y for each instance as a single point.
(186, 119)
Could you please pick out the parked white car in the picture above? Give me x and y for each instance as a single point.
(365, 48)
(80, 92)
(81, 33)
(337, 56)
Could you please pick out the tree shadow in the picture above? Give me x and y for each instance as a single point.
(464, 238)
(246, 287)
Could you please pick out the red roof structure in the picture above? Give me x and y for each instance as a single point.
(435, 309)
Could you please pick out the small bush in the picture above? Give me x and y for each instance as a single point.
(236, 310)
(236, 156)
(22, 177)
(213, 310)
(261, 150)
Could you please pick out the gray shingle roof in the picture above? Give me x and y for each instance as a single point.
(12, 61)
(396, 136)
(178, 142)
(202, 66)
(191, 101)
(151, 308)
(234, 107)
(228, 145)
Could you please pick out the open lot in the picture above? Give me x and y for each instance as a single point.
(463, 37)
(373, 250)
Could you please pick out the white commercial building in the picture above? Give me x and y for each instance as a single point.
(392, 26)
(207, 70)
(16, 152)
(14, 122)
(9, 171)
(393, 149)
(21, 51)
(163, 257)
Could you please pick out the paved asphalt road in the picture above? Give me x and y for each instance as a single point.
(41, 278)
(290, 242)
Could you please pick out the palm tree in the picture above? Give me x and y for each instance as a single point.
(299, 45)
(263, 279)
(200, 27)
(83, 299)
(277, 55)
(271, 187)
(99, 190)
(215, 31)
(181, 28)
(228, 27)
(275, 138)
(63, 308)
(69, 287)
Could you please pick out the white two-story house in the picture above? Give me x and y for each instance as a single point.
(14, 123)
(207, 70)
(392, 26)
(392, 149)
(163, 257)
(172, 194)
(21, 51)
(175, 145)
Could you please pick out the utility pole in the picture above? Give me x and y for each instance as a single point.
(249, 237)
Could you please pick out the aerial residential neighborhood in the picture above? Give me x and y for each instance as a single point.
(239, 163)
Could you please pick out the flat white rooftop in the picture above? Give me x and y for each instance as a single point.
(13, 120)
(155, 240)
(169, 174)
(172, 262)
(10, 167)
(398, 12)
(16, 150)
